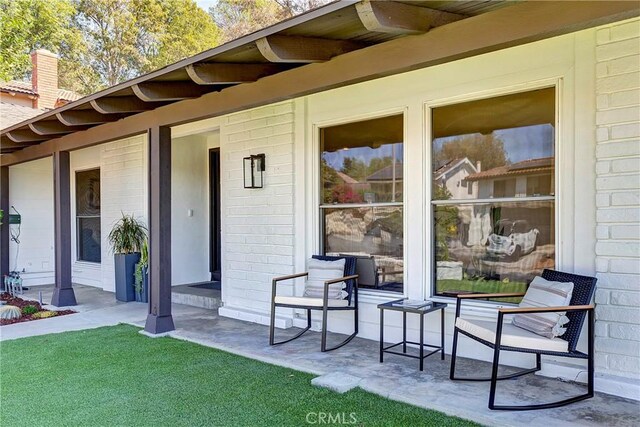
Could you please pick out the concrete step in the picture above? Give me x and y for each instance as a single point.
(202, 301)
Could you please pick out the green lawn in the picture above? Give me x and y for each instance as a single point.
(117, 377)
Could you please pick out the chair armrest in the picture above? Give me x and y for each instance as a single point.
(275, 281)
(289, 277)
(499, 295)
(341, 279)
(516, 310)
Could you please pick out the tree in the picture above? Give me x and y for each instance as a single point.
(126, 38)
(26, 25)
(487, 149)
(237, 18)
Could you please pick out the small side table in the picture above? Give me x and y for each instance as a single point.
(430, 306)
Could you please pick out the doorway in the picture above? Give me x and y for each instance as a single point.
(215, 227)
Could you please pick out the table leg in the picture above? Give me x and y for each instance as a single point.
(381, 334)
(404, 331)
(421, 342)
(442, 334)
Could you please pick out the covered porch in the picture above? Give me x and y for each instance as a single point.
(397, 378)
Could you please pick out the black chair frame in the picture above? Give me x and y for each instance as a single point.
(576, 311)
(325, 308)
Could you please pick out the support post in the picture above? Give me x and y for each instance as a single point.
(63, 294)
(159, 319)
(4, 228)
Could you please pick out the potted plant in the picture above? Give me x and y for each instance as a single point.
(142, 274)
(126, 237)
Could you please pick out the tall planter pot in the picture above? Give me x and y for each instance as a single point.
(125, 265)
(143, 295)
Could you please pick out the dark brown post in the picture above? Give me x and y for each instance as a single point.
(4, 228)
(159, 319)
(63, 294)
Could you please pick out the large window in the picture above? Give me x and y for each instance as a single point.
(493, 193)
(88, 215)
(361, 198)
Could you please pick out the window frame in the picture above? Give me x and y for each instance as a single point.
(78, 217)
(317, 186)
(430, 259)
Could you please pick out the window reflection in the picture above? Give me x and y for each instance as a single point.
(372, 234)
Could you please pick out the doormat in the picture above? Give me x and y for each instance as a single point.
(207, 285)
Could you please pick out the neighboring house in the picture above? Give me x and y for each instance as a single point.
(533, 177)
(453, 176)
(21, 100)
(571, 67)
(387, 181)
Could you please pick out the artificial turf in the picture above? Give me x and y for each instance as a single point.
(113, 376)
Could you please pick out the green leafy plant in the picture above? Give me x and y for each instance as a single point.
(1, 216)
(141, 265)
(127, 235)
(29, 309)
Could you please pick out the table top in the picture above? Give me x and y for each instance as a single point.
(428, 306)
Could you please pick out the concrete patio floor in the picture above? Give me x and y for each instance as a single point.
(398, 378)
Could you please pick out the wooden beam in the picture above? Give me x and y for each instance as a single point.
(168, 91)
(121, 104)
(25, 135)
(8, 145)
(49, 127)
(63, 294)
(400, 18)
(159, 319)
(4, 228)
(84, 118)
(519, 24)
(224, 73)
(303, 49)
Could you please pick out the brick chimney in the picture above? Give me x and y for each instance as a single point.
(44, 78)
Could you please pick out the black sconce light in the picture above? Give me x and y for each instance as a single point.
(253, 168)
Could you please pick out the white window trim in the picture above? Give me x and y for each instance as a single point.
(429, 250)
(74, 227)
(365, 295)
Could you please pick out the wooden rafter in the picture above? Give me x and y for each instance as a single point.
(120, 104)
(26, 135)
(50, 127)
(224, 73)
(303, 49)
(83, 118)
(400, 18)
(168, 91)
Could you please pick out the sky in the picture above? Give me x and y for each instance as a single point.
(206, 4)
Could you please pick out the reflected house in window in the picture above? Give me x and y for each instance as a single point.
(533, 177)
(387, 181)
(453, 174)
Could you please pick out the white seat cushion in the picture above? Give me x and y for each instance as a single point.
(314, 302)
(319, 272)
(512, 336)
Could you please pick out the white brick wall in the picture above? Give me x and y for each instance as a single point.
(618, 199)
(258, 225)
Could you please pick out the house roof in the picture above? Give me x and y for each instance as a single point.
(387, 173)
(17, 86)
(11, 114)
(446, 167)
(338, 33)
(525, 167)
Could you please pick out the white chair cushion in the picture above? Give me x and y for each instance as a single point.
(314, 302)
(319, 272)
(512, 336)
(544, 293)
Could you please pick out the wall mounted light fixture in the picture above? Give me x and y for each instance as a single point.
(253, 168)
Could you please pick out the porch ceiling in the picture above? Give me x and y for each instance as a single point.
(317, 36)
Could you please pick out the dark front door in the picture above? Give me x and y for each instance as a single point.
(215, 228)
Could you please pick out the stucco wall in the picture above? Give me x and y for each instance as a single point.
(618, 199)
